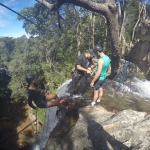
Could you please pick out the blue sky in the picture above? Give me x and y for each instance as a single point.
(9, 25)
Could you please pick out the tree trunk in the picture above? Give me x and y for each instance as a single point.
(114, 32)
(93, 29)
(92, 24)
(122, 35)
(78, 38)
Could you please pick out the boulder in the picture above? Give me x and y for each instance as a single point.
(98, 129)
(140, 52)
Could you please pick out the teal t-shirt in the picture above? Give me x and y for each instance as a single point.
(106, 61)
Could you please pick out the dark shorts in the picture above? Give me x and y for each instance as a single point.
(98, 84)
(42, 103)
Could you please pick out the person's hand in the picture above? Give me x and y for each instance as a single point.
(92, 84)
(88, 71)
(89, 68)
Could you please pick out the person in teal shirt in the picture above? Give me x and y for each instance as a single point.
(100, 74)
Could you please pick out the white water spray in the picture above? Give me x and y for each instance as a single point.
(141, 87)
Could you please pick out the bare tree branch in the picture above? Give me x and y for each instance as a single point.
(144, 9)
(92, 6)
(46, 4)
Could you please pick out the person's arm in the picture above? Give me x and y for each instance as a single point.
(79, 67)
(99, 69)
(108, 70)
(30, 102)
(82, 69)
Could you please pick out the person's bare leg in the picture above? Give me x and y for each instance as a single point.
(55, 103)
(96, 94)
(100, 93)
(49, 97)
(95, 97)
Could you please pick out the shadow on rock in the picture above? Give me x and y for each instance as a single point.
(101, 140)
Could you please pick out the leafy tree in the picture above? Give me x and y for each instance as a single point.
(5, 78)
(40, 16)
(131, 17)
(6, 47)
(17, 66)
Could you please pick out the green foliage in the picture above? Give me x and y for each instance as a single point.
(40, 16)
(52, 52)
(5, 92)
(55, 77)
(131, 17)
(140, 75)
(6, 47)
(40, 114)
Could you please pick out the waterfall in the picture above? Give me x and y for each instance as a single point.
(50, 119)
(134, 87)
(141, 87)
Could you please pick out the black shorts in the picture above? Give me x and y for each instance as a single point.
(98, 84)
(42, 103)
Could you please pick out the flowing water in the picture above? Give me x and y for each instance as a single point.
(136, 87)
(133, 94)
